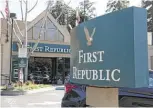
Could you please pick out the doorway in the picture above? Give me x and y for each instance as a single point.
(48, 70)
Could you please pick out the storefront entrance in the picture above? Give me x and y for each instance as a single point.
(48, 70)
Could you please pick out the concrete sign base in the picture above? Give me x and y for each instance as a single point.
(102, 97)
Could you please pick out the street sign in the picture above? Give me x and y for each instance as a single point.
(111, 50)
(22, 53)
(22, 62)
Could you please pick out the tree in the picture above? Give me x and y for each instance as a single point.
(66, 15)
(115, 5)
(22, 38)
(86, 12)
(59, 11)
(149, 6)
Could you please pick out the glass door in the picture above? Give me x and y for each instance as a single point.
(40, 70)
(63, 68)
(60, 70)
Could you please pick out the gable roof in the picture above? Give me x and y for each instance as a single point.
(62, 29)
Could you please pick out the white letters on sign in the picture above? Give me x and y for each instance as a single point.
(102, 75)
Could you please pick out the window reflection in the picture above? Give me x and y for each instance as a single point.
(39, 23)
(36, 31)
(50, 25)
(50, 33)
(48, 70)
(63, 68)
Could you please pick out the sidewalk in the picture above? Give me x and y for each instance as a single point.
(15, 93)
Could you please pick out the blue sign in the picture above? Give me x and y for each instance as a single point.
(46, 48)
(111, 50)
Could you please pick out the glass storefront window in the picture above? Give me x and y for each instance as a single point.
(40, 70)
(39, 23)
(60, 68)
(51, 34)
(63, 68)
(50, 25)
(54, 68)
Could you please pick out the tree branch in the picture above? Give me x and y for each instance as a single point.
(63, 10)
(21, 8)
(25, 32)
(17, 36)
(13, 30)
(24, 1)
(18, 28)
(2, 15)
(33, 6)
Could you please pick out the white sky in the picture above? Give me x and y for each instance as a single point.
(14, 6)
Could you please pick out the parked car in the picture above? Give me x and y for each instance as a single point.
(75, 95)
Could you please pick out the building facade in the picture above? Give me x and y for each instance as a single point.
(50, 60)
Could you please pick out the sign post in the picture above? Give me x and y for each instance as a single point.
(110, 52)
(104, 97)
(22, 62)
(22, 55)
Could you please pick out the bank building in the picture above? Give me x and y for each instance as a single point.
(50, 63)
(51, 60)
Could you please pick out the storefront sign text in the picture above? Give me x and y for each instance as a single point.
(47, 48)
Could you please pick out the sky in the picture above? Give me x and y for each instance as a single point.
(14, 6)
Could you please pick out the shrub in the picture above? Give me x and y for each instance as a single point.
(28, 83)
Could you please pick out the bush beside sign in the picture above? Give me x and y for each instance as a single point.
(111, 50)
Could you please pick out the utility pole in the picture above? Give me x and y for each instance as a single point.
(26, 41)
(12, 16)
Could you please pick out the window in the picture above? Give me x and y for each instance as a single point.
(67, 65)
(50, 25)
(36, 31)
(51, 34)
(39, 23)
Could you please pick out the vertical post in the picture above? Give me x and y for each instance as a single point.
(10, 79)
(7, 31)
(26, 40)
(63, 70)
(102, 97)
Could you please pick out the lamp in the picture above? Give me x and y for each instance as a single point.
(12, 16)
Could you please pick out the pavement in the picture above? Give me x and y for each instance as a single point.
(45, 99)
